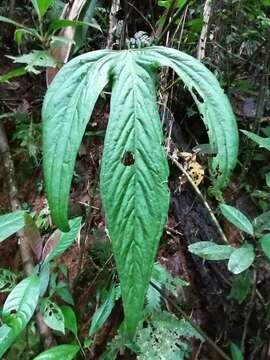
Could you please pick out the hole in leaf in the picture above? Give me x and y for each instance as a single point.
(128, 158)
(197, 95)
(13, 311)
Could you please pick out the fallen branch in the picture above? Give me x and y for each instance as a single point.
(200, 195)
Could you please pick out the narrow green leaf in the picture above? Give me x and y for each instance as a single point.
(241, 259)
(237, 218)
(26, 29)
(267, 177)
(62, 23)
(103, 312)
(66, 352)
(44, 277)
(133, 181)
(263, 142)
(66, 239)
(212, 103)
(67, 107)
(52, 315)
(236, 352)
(41, 6)
(21, 303)
(211, 251)
(70, 319)
(265, 244)
(7, 280)
(7, 337)
(12, 74)
(10, 224)
(87, 15)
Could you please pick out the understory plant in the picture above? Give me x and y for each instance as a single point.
(134, 170)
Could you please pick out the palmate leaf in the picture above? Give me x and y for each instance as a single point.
(133, 182)
(134, 169)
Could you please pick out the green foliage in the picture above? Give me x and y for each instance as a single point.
(37, 58)
(44, 34)
(237, 218)
(70, 319)
(261, 141)
(7, 280)
(236, 352)
(104, 311)
(67, 352)
(18, 310)
(161, 278)
(65, 240)
(10, 224)
(240, 286)
(28, 134)
(52, 315)
(41, 6)
(241, 259)
(265, 244)
(164, 337)
(211, 251)
(134, 169)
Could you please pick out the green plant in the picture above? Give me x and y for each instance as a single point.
(134, 171)
(45, 35)
(24, 297)
(239, 258)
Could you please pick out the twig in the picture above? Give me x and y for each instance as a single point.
(174, 18)
(197, 191)
(144, 18)
(26, 255)
(115, 7)
(205, 30)
(173, 302)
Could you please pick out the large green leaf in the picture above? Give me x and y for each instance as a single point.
(134, 169)
(66, 352)
(133, 181)
(212, 103)
(67, 107)
(7, 336)
(11, 223)
(21, 303)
